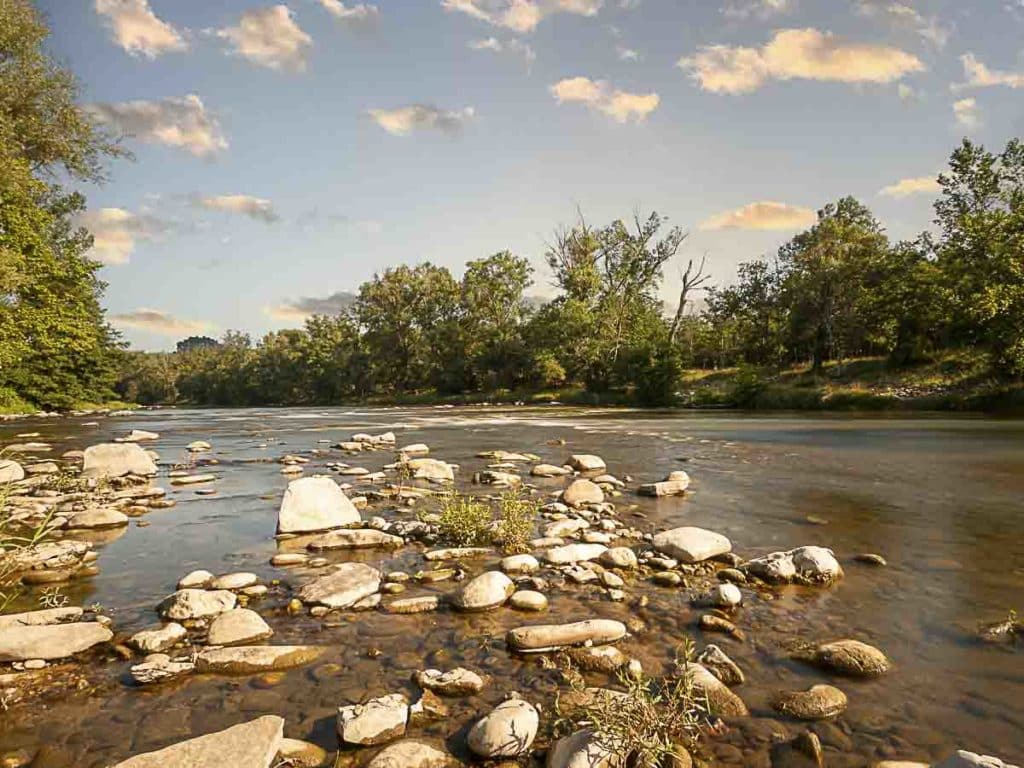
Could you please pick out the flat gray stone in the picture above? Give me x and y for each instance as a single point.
(249, 745)
(691, 545)
(117, 460)
(50, 641)
(250, 659)
(342, 587)
(238, 627)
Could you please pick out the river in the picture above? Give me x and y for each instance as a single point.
(942, 499)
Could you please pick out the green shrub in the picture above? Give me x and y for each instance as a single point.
(465, 521)
(517, 516)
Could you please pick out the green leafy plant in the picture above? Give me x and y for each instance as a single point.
(516, 522)
(465, 521)
(646, 723)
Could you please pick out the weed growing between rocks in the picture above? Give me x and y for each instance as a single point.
(649, 723)
(469, 521)
(15, 537)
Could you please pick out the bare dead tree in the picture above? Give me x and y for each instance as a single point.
(692, 280)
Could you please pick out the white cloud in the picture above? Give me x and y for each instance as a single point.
(300, 310)
(599, 95)
(900, 14)
(805, 54)
(762, 9)
(160, 323)
(765, 215)
(520, 15)
(116, 232)
(402, 121)
(914, 186)
(626, 54)
(246, 205)
(513, 46)
(980, 76)
(177, 122)
(137, 29)
(356, 14)
(967, 113)
(269, 37)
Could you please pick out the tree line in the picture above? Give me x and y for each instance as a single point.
(838, 290)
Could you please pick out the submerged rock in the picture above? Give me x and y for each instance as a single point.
(819, 702)
(851, 657)
(508, 731)
(315, 504)
(249, 659)
(249, 745)
(721, 701)
(547, 637)
(691, 545)
(715, 660)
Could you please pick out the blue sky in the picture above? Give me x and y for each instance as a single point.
(286, 153)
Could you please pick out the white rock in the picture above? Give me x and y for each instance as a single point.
(549, 470)
(375, 722)
(41, 617)
(417, 449)
(585, 462)
(250, 745)
(315, 504)
(582, 750)
(508, 731)
(544, 637)
(196, 580)
(964, 759)
(520, 564)
(343, 586)
(412, 753)
(355, 538)
(237, 627)
(117, 460)
(97, 518)
(691, 545)
(198, 446)
(50, 641)
(619, 557)
(455, 682)
(574, 553)
(140, 436)
(528, 600)
(430, 469)
(582, 491)
(160, 639)
(253, 659)
(11, 471)
(196, 604)
(485, 592)
(234, 581)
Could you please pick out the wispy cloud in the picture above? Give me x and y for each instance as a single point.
(967, 113)
(520, 15)
(356, 15)
(627, 54)
(176, 122)
(402, 121)
(160, 323)
(299, 310)
(599, 95)
(761, 9)
(902, 15)
(269, 37)
(136, 29)
(513, 46)
(116, 232)
(913, 186)
(245, 205)
(765, 215)
(792, 54)
(980, 76)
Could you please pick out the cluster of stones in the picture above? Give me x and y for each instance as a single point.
(207, 627)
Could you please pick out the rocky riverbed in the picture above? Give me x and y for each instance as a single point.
(210, 583)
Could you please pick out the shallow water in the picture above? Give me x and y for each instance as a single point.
(942, 499)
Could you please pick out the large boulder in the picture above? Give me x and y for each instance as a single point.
(315, 504)
(342, 587)
(691, 545)
(547, 637)
(487, 591)
(50, 641)
(10, 471)
(249, 745)
(805, 564)
(508, 731)
(117, 460)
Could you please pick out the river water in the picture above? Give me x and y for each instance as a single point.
(942, 499)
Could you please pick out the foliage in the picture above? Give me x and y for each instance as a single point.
(647, 722)
(465, 521)
(517, 517)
